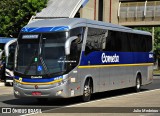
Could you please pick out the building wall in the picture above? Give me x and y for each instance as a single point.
(114, 16)
(90, 12)
(106, 10)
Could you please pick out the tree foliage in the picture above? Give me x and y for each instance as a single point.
(157, 42)
(14, 14)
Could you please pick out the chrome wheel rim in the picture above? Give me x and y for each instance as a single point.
(138, 84)
(87, 91)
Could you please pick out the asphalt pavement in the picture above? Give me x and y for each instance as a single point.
(149, 97)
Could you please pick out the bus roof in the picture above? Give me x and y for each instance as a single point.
(4, 40)
(62, 24)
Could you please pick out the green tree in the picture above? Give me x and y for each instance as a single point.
(14, 14)
(157, 45)
(149, 29)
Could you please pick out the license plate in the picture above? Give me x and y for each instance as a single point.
(36, 93)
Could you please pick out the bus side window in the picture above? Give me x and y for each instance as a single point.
(75, 52)
(109, 43)
(76, 46)
(96, 40)
(148, 41)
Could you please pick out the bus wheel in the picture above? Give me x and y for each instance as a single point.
(138, 84)
(11, 84)
(6, 83)
(87, 90)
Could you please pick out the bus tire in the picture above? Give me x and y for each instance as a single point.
(6, 83)
(87, 91)
(138, 84)
(11, 83)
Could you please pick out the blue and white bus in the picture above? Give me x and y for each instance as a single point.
(7, 46)
(68, 57)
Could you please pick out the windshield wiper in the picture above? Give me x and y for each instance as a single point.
(44, 66)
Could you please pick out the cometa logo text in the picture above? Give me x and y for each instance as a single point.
(110, 59)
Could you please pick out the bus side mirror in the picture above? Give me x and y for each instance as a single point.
(68, 44)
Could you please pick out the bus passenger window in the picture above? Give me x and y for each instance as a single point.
(75, 52)
(76, 46)
(96, 40)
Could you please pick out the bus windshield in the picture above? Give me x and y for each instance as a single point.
(41, 54)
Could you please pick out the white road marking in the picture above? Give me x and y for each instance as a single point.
(113, 97)
(94, 101)
(28, 114)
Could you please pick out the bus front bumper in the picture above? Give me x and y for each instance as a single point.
(41, 91)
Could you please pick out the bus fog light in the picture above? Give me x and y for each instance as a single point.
(59, 92)
(73, 80)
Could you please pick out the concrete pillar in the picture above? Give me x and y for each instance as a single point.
(106, 10)
(153, 36)
(114, 11)
(90, 11)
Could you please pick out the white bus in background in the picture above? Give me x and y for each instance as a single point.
(7, 60)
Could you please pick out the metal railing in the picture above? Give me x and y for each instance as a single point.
(139, 11)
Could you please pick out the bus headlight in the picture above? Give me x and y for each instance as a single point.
(62, 82)
(15, 83)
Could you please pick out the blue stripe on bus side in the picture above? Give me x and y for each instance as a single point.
(95, 58)
(43, 80)
(45, 29)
